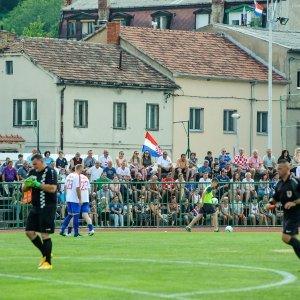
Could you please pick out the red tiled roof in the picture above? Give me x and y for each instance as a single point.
(198, 54)
(11, 138)
(89, 63)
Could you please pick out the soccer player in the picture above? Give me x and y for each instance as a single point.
(287, 191)
(43, 182)
(207, 207)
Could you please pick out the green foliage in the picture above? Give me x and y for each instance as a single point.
(35, 29)
(29, 14)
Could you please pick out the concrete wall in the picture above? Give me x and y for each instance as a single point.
(213, 138)
(29, 82)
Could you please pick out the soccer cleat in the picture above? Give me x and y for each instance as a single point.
(92, 232)
(188, 228)
(77, 235)
(62, 233)
(69, 234)
(43, 259)
(216, 230)
(45, 266)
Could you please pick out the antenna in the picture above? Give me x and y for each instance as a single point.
(120, 60)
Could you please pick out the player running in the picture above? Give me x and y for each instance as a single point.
(77, 193)
(43, 182)
(287, 191)
(207, 207)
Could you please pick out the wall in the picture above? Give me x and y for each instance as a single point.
(100, 134)
(29, 82)
(213, 138)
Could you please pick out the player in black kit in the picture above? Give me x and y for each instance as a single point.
(287, 191)
(43, 182)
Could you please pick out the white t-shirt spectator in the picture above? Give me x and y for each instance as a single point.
(164, 162)
(269, 161)
(205, 183)
(123, 172)
(104, 160)
(95, 173)
(248, 184)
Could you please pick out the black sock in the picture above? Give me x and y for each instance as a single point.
(38, 243)
(48, 249)
(296, 245)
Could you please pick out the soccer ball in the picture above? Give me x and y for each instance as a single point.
(228, 229)
(215, 201)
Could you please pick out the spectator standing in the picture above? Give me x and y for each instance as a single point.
(89, 161)
(47, 158)
(193, 165)
(182, 166)
(224, 158)
(61, 162)
(165, 165)
(269, 162)
(110, 171)
(123, 171)
(120, 159)
(104, 159)
(241, 162)
(116, 212)
(20, 162)
(255, 164)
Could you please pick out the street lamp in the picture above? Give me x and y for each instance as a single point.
(236, 116)
(36, 124)
(187, 131)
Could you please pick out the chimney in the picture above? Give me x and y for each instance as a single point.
(217, 11)
(113, 33)
(103, 11)
(67, 2)
(7, 36)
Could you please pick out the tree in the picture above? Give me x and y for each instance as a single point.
(31, 13)
(35, 29)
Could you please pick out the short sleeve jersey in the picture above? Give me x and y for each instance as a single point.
(72, 183)
(41, 198)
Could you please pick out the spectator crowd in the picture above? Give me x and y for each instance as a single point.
(141, 192)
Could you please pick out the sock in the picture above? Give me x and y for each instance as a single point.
(90, 227)
(66, 223)
(296, 245)
(70, 230)
(48, 249)
(38, 243)
(76, 224)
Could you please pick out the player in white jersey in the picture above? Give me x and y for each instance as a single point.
(77, 196)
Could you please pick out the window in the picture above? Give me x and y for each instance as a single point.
(119, 115)
(71, 29)
(87, 28)
(162, 19)
(298, 80)
(229, 123)
(9, 67)
(123, 18)
(298, 133)
(152, 117)
(80, 113)
(196, 119)
(262, 122)
(24, 112)
(202, 20)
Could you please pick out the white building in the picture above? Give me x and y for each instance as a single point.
(85, 96)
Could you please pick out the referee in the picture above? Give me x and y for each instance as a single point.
(287, 191)
(43, 182)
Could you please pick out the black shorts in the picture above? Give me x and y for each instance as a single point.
(208, 209)
(291, 224)
(41, 219)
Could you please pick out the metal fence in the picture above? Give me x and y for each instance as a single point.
(154, 204)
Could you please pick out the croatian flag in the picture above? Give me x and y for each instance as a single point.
(258, 9)
(151, 145)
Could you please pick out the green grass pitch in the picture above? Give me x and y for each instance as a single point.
(151, 265)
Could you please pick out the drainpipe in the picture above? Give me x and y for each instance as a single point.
(62, 106)
(253, 83)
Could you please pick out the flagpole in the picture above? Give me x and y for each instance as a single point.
(270, 79)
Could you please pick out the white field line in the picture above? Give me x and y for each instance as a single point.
(286, 277)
